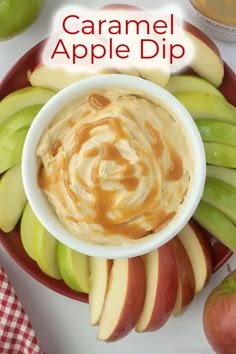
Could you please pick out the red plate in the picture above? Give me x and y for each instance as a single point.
(16, 79)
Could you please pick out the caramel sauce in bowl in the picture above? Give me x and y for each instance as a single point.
(113, 166)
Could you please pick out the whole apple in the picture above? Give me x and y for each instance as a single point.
(16, 15)
(219, 316)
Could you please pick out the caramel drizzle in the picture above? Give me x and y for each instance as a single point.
(105, 199)
(98, 101)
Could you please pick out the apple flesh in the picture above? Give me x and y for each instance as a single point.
(219, 316)
(222, 196)
(225, 174)
(17, 100)
(12, 198)
(220, 154)
(124, 300)
(199, 253)
(207, 61)
(73, 267)
(185, 83)
(217, 224)
(186, 282)
(27, 231)
(217, 132)
(203, 105)
(54, 79)
(162, 285)
(158, 75)
(99, 269)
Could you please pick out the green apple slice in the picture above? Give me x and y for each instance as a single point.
(225, 174)
(207, 106)
(74, 268)
(215, 222)
(11, 148)
(218, 132)
(12, 136)
(45, 251)
(16, 15)
(185, 83)
(222, 196)
(220, 154)
(12, 198)
(27, 226)
(19, 120)
(22, 98)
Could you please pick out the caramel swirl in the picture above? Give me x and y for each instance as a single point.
(119, 172)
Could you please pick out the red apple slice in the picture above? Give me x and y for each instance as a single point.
(207, 61)
(124, 300)
(162, 286)
(186, 284)
(57, 79)
(98, 284)
(199, 253)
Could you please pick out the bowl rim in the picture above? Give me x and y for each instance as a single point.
(43, 210)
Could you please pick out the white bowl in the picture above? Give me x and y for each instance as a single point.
(43, 209)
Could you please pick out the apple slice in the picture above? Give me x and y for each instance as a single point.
(11, 147)
(124, 300)
(73, 267)
(186, 283)
(217, 224)
(45, 250)
(222, 196)
(207, 61)
(185, 83)
(12, 136)
(220, 154)
(207, 106)
(217, 132)
(199, 253)
(128, 71)
(98, 284)
(54, 79)
(12, 198)
(157, 75)
(17, 100)
(27, 231)
(225, 174)
(20, 119)
(162, 285)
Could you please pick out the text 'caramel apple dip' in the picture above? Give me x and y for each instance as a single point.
(115, 166)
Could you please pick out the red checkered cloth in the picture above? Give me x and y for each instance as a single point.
(16, 333)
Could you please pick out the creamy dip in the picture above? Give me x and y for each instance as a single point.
(115, 166)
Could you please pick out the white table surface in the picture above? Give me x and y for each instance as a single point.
(62, 324)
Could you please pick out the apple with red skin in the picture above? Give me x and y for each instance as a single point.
(124, 299)
(186, 286)
(207, 61)
(199, 252)
(219, 316)
(161, 290)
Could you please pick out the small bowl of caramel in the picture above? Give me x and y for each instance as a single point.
(217, 18)
(113, 166)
